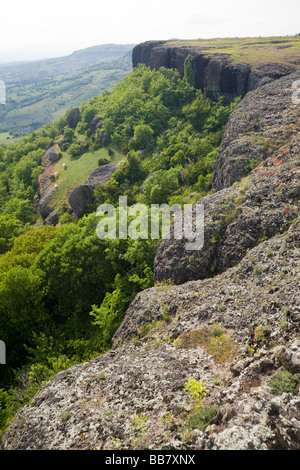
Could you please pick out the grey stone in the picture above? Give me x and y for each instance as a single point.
(80, 198)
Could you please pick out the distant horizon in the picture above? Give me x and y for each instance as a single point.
(68, 52)
(15, 62)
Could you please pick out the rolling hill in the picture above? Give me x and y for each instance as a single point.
(40, 92)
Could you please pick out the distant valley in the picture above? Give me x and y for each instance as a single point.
(41, 91)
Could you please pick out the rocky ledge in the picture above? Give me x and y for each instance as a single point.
(215, 72)
(256, 185)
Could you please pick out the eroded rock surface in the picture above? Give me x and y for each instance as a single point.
(133, 397)
(263, 130)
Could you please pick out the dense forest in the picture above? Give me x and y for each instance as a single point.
(63, 291)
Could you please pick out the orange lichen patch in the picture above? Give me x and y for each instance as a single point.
(214, 341)
(295, 170)
(284, 151)
(288, 210)
(44, 180)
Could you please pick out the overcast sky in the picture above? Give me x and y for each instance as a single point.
(34, 29)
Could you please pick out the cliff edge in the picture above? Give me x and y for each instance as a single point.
(230, 67)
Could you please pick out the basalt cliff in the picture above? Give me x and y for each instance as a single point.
(219, 68)
(226, 315)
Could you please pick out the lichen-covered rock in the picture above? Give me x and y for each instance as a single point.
(80, 198)
(234, 326)
(258, 206)
(134, 396)
(258, 128)
(73, 118)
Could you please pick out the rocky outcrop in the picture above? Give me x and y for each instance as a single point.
(45, 183)
(259, 127)
(216, 73)
(83, 194)
(80, 198)
(73, 118)
(52, 155)
(134, 396)
(263, 132)
(102, 174)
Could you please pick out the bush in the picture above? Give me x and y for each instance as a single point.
(160, 186)
(203, 417)
(103, 161)
(75, 150)
(69, 135)
(285, 382)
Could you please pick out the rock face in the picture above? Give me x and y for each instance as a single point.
(232, 322)
(45, 184)
(82, 195)
(73, 117)
(215, 73)
(263, 131)
(80, 198)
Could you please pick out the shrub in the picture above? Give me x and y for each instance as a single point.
(213, 340)
(285, 382)
(260, 333)
(103, 161)
(203, 417)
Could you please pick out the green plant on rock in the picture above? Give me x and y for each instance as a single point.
(285, 382)
(166, 421)
(139, 426)
(114, 444)
(260, 333)
(223, 348)
(203, 417)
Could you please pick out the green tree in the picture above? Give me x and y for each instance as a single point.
(69, 135)
(160, 186)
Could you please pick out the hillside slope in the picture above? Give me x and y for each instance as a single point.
(40, 92)
(236, 332)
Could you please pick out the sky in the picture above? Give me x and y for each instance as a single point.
(33, 29)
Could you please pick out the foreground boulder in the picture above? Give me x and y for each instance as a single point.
(134, 396)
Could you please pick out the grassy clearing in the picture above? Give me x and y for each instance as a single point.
(6, 138)
(77, 172)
